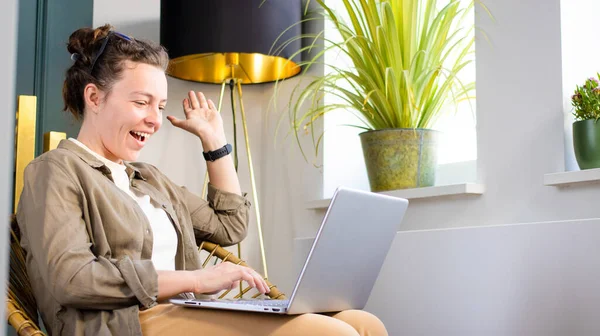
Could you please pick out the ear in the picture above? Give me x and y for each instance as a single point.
(92, 96)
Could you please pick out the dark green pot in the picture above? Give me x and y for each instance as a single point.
(400, 158)
(586, 142)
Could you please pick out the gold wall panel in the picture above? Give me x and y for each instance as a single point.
(51, 140)
(24, 140)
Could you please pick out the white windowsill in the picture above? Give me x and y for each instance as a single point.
(567, 179)
(416, 193)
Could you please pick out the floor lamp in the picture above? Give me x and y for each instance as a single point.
(231, 42)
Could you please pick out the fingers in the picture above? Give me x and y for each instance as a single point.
(195, 103)
(186, 105)
(174, 121)
(263, 284)
(202, 100)
(247, 274)
(235, 285)
(257, 281)
(211, 105)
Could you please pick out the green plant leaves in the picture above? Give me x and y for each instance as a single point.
(405, 57)
(586, 100)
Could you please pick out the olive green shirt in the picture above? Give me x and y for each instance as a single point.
(89, 244)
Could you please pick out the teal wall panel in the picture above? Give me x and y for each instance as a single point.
(26, 55)
(59, 19)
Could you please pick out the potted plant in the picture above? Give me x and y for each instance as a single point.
(405, 58)
(586, 129)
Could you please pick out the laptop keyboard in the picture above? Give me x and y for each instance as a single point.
(266, 303)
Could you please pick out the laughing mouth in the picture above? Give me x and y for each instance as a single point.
(140, 136)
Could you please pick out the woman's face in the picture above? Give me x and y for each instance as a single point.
(131, 112)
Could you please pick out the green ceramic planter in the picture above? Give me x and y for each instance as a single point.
(400, 158)
(586, 142)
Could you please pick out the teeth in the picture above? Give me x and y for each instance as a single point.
(145, 135)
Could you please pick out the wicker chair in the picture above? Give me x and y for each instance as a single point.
(21, 308)
(220, 254)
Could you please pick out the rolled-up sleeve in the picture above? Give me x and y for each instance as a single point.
(223, 219)
(58, 243)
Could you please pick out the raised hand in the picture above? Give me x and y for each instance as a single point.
(201, 119)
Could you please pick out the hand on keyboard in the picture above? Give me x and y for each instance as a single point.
(226, 275)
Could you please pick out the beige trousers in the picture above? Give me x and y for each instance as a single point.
(168, 319)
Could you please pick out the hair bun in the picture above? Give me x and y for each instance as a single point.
(82, 41)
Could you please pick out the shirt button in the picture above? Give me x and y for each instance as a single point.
(147, 231)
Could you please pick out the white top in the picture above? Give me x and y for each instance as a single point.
(164, 247)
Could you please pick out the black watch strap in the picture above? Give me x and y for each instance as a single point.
(217, 153)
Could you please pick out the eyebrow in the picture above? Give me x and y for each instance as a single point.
(144, 93)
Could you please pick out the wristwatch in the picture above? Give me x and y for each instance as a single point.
(217, 153)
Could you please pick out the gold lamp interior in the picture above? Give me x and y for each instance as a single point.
(248, 68)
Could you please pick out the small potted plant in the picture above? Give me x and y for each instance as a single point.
(586, 129)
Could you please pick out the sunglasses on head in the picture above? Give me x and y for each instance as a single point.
(103, 46)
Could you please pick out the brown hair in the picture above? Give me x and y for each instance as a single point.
(103, 67)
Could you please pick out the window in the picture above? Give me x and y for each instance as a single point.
(342, 152)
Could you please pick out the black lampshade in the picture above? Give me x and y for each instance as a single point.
(215, 40)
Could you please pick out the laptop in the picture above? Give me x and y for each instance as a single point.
(343, 263)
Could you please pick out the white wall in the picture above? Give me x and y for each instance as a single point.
(8, 34)
(536, 279)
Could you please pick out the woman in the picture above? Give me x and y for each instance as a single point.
(108, 242)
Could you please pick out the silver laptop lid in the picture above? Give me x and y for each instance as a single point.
(348, 252)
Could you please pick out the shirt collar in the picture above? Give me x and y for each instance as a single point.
(95, 162)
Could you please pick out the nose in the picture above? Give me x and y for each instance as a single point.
(154, 118)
